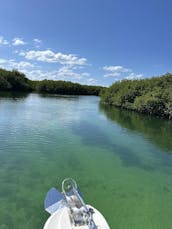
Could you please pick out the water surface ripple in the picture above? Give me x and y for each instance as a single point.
(121, 160)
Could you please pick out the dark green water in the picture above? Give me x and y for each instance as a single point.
(122, 161)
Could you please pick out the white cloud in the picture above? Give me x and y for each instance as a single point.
(92, 81)
(22, 65)
(86, 74)
(18, 41)
(51, 75)
(10, 64)
(116, 69)
(67, 72)
(133, 76)
(37, 74)
(36, 40)
(2, 61)
(120, 73)
(72, 65)
(52, 57)
(3, 41)
(34, 72)
(112, 74)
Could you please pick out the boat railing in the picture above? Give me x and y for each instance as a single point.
(80, 213)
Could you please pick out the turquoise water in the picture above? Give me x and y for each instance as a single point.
(122, 161)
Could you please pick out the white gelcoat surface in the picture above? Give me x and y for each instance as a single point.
(61, 220)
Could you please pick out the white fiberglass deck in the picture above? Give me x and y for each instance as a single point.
(61, 220)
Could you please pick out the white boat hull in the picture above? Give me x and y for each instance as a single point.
(61, 220)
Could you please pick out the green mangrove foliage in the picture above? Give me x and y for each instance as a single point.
(151, 96)
(17, 81)
(64, 87)
(13, 81)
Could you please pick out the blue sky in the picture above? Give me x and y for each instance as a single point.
(90, 42)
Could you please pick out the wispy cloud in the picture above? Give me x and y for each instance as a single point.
(36, 40)
(69, 73)
(92, 81)
(34, 72)
(38, 74)
(3, 61)
(18, 41)
(120, 72)
(11, 63)
(63, 73)
(22, 65)
(116, 68)
(3, 41)
(112, 74)
(52, 57)
(133, 76)
(25, 56)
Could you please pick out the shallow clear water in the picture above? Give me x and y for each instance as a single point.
(122, 161)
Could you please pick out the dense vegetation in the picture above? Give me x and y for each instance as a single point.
(13, 81)
(64, 87)
(151, 96)
(17, 81)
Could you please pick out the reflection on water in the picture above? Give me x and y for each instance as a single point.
(13, 95)
(92, 134)
(159, 131)
(119, 162)
(57, 96)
